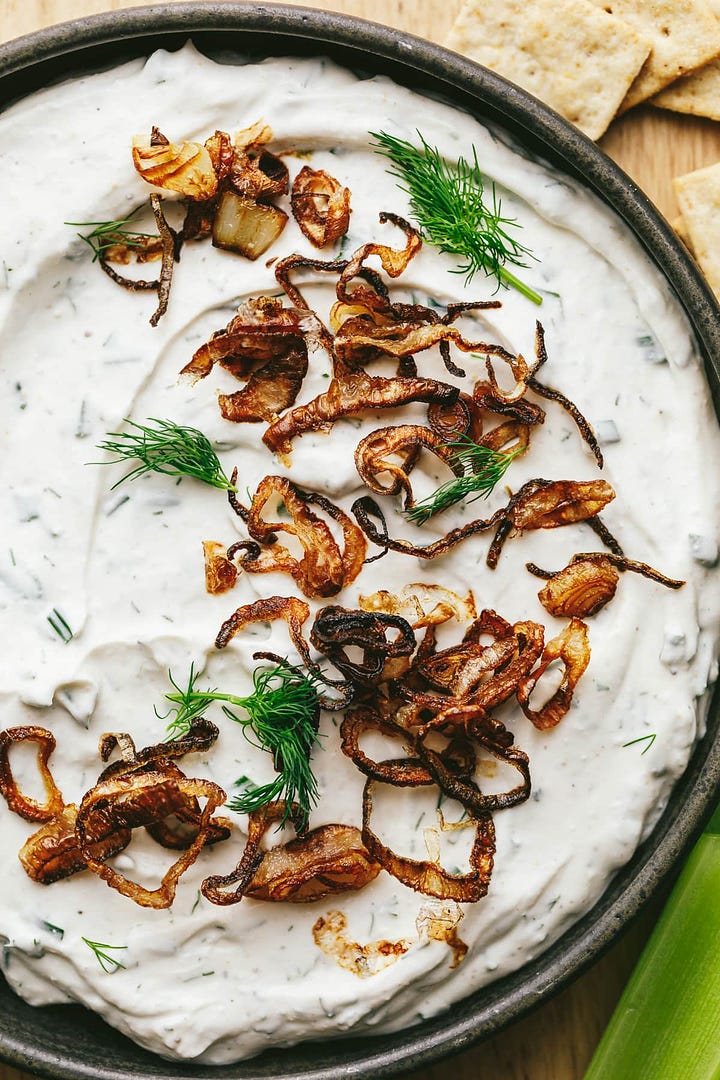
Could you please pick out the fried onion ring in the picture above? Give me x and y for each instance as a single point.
(572, 648)
(124, 801)
(28, 808)
(324, 568)
(428, 877)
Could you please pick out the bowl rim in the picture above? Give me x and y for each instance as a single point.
(694, 794)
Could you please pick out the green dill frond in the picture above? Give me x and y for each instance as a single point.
(107, 962)
(106, 234)
(281, 717)
(483, 469)
(450, 206)
(167, 448)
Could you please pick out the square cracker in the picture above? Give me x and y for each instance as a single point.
(698, 194)
(697, 93)
(576, 58)
(684, 35)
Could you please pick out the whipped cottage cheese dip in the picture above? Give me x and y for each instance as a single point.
(125, 570)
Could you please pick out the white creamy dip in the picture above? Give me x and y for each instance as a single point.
(124, 568)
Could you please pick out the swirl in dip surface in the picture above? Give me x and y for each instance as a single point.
(125, 568)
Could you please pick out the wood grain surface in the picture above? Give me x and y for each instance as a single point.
(556, 1041)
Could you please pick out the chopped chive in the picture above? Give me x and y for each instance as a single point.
(642, 738)
(60, 626)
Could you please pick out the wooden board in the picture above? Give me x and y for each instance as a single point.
(556, 1041)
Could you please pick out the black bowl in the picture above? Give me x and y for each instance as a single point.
(70, 1042)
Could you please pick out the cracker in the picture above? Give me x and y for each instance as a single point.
(698, 194)
(697, 93)
(576, 58)
(684, 35)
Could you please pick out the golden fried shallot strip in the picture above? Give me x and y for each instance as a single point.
(28, 808)
(320, 205)
(378, 454)
(324, 568)
(428, 877)
(329, 859)
(123, 800)
(572, 648)
(53, 852)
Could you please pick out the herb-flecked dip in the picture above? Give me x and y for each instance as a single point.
(168, 642)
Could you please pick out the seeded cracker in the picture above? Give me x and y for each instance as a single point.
(697, 93)
(698, 194)
(684, 35)
(578, 59)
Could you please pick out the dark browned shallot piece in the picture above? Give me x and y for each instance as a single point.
(429, 877)
(572, 648)
(325, 567)
(337, 629)
(539, 504)
(329, 859)
(52, 853)
(265, 344)
(320, 205)
(295, 613)
(589, 582)
(174, 819)
(393, 452)
(125, 800)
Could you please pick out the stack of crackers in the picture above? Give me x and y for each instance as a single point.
(591, 60)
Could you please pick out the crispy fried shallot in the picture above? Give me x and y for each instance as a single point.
(362, 960)
(28, 808)
(220, 573)
(183, 167)
(429, 877)
(337, 629)
(549, 504)
(350, 393)
(171, 817)
(422, 605)
(393, 452)
(589, 581)
(329, 859)
(571, 647)
(53, 852)
(324, 568)
(264, 343)
(320, 205)
(125, 800)
(438, 921)
(539, 504)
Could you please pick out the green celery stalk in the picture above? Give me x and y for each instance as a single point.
(666, 1025)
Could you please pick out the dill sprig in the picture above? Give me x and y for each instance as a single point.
(483, 469)
(108, 963)
(106, 234)
(167, 448)
(281, 717)
(449, 204)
